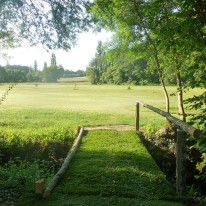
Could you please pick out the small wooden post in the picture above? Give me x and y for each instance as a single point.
(137, 117)
(180, 162)
(39, 186)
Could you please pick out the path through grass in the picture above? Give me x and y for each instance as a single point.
(112, 168)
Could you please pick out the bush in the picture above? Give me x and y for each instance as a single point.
(19, 176)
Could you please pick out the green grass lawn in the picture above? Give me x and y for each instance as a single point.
(29, 106)
(111, 168)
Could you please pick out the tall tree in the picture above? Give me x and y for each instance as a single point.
(130, 21)
(54, 72)
(53, 60)
(97, 66)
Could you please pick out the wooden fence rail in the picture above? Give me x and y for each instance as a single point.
(182, 129)
(64, 166)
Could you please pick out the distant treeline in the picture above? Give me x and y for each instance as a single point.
(78, 73)
(19, 73)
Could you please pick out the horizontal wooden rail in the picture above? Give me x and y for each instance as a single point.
(64, 166)
(183, 125)
(182, 129)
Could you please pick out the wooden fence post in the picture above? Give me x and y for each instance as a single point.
(137, 117)
(180, 162)
(39, 186)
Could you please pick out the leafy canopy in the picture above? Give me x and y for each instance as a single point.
(53, 23)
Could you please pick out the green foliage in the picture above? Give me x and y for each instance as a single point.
(197, 103)
(21, 175)
(200, 145)
(38, 124)
(195, 195)
(13, 74)
(18, 177)
(23, 69)
(97, 66)
(169, 35)
(27, 157)
(53, 60)
(70, 73)
(52, 146)
(116, 65)
(54, 24)
(34, 75)
(54, 72)
(19, 73)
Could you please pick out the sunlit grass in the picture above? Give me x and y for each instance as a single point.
(48, 106)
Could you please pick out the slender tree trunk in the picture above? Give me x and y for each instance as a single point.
(167, 100)
(156, 56)
(180, 97)
(178, 77)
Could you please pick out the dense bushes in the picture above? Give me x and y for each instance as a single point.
(27, 158)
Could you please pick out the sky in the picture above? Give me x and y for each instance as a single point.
(77, 58)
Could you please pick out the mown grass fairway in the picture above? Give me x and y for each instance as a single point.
(115, 168)
(42, 106)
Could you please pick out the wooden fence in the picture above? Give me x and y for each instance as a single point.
(182, 130)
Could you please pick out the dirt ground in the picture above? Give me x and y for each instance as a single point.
(114, 127)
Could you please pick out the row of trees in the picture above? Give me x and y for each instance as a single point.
(110, 66)
(18, 73)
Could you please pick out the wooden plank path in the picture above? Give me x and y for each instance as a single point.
(112, 168)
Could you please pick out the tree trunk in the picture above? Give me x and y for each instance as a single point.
(180, 97)
(167, 100)
(156, 57)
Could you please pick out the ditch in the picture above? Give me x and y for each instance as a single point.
(161, 145)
